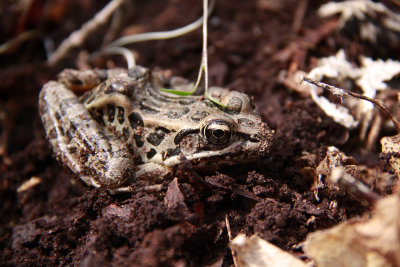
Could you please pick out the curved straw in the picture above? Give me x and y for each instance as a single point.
(203, 64)
(148, 36)
(125, 52)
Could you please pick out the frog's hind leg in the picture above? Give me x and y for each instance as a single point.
(90, 151)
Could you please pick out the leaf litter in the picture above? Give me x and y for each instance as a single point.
(61, 221)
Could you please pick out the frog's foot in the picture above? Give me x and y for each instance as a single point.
(147, 178)
(90, 151)
(130, 189)
(78, 80)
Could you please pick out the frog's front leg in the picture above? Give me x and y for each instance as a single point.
(90, 151)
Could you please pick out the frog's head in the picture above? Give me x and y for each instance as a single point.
(223, 136)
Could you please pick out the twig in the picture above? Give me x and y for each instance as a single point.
(76, 38)
(7, 125)
(373, 134)
(205, 51)
(354, 187)
(228, 228)
(116, 22)
(204, 59)
(23, 37)
(299, 15)
(344, 92)
(204, 55)
(396, 2)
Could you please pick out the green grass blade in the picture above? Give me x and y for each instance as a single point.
(177, 92)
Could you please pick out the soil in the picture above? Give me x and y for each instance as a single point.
(62, 221)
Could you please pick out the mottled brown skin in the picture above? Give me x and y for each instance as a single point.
(126, 131)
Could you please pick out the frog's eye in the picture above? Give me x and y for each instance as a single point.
(217, 132)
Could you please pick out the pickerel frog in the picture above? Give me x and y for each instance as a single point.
(126, 133)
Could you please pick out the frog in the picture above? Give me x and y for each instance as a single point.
(124, 132)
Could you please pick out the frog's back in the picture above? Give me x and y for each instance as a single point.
(161, 126)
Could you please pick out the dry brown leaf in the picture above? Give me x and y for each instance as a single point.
(366, 242)
(334, 158)
(256, 252)
(390, 152)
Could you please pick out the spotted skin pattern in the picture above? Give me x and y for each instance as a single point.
(126, 132)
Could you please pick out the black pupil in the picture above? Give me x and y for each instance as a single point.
(218, 133)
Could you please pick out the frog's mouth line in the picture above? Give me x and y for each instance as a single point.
(254, 138)
(214, 162)
(220, 157)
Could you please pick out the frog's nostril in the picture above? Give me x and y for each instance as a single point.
(255, 138)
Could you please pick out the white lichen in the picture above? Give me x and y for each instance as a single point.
(373, 18)
(339, 68)
(334, 67)
(337, 112)
(371, 77)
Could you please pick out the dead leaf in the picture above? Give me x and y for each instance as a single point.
(364, 242)
(256, 252)
(391, 151)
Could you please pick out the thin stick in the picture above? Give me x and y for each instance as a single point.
(76, 38)
(204, 58)
(352, 186)
(343, 92)
(299, 15)
(396, 2)
(205, 52)
(23, 37)
(228, 229)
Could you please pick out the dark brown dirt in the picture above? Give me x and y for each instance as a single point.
(62, 221)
